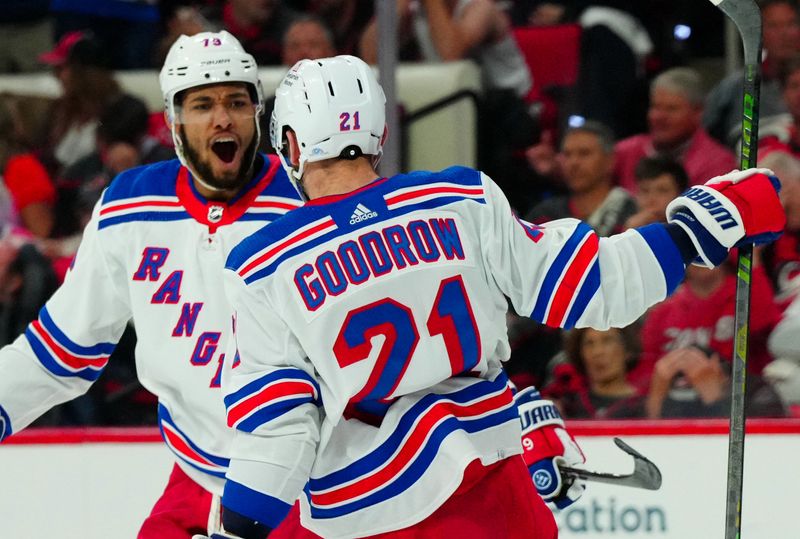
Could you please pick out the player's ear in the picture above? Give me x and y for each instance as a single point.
(166, 119)
(294, 148)
(385, 134)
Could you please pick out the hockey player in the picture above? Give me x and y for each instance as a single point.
(370, 324)
(153, 252)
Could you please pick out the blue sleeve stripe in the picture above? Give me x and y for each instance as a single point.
(666, 252)
(556, 270)
(5, 425)
(269, 413)
(99, 349)
(587, 291)
(274, 376)
(261, 507)
(49, 362)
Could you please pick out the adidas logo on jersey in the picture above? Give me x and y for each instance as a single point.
(361, 213)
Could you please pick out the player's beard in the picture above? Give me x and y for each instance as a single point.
(203, 168)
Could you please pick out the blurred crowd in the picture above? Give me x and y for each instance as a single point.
(587, 111)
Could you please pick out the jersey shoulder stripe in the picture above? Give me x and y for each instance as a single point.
(146, 193)
(262, 260)
(432, 189)
(183, 447)
(269, 397)
(412, 448)
(60, 355)
(154, 180)
(320, 220)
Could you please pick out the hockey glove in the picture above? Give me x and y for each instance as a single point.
(738, 208)
(547, 445)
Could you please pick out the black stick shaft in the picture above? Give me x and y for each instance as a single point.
(747, 17)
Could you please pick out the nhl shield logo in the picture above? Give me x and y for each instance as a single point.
(215, 214)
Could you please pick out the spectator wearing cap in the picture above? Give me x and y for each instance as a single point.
(675, 131)
(79, 63)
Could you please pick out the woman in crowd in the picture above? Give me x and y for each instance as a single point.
(593, 383)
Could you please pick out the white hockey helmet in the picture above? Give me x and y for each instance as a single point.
(207, 58)
(335, 107)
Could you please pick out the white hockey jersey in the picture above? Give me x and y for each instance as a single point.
(153, 251)
(371, 330)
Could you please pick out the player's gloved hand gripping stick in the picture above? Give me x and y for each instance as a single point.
(551, 454)
(547, 446)
(738, 208)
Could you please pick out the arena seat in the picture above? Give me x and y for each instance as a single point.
(553, 57)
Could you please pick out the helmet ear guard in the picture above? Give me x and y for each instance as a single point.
(336, 109)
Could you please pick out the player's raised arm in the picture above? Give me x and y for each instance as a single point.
(563, 274)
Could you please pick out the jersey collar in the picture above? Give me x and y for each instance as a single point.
(214, 213)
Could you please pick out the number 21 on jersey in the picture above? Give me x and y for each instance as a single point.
(450, 317)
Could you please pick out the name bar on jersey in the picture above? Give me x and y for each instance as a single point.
(376, 253)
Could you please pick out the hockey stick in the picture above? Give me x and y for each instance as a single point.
(747, 18)
(645, 474)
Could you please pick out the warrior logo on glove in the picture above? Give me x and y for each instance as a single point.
(547, 445)
(737, 208)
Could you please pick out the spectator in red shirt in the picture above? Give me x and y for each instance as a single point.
(674, 130)
(780, 132)
(694, 382)
(32, 192)
(701, 313)
(782, 259)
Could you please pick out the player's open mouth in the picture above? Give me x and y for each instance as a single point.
(225, 149)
